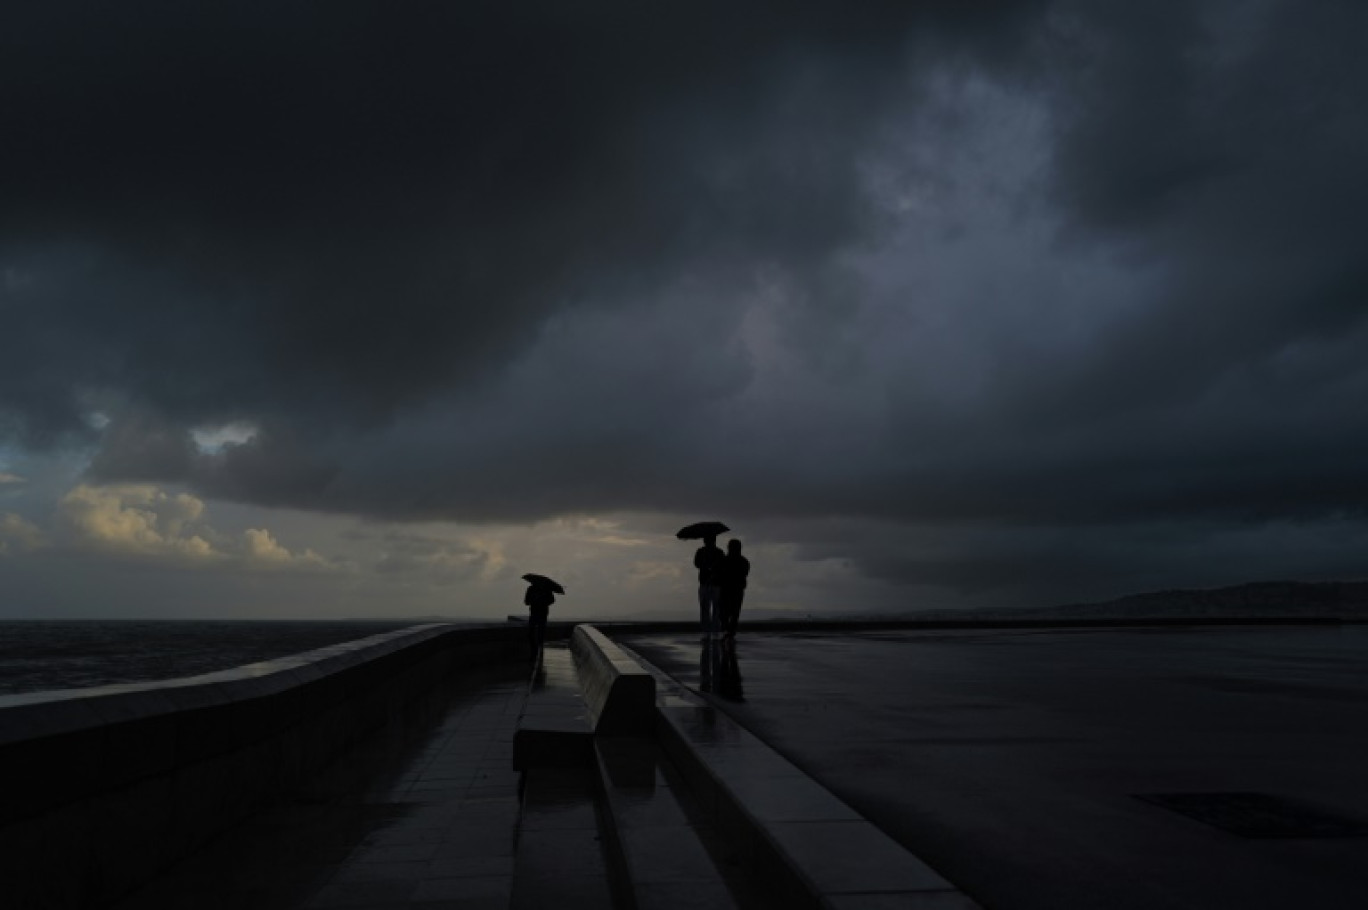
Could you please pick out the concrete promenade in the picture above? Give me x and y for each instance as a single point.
(1028, 768)
(1012, 761)
(431, 813)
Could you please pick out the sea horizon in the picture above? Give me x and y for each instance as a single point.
(39, 655)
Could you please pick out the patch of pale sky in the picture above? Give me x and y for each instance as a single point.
(143, 520)
(138, 519)
(264, 550)
(212, 439)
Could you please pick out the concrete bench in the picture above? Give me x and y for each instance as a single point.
(593, 689)
(619, 692)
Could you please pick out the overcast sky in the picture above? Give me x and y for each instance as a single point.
(365, 309)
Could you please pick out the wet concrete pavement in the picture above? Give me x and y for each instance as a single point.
(425, 814)
(1012, 761)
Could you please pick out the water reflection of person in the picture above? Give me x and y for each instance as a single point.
(707, 664)
(719, 670)
(729, 674)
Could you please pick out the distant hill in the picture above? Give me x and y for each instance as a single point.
(1256, 600)
(1271, 599)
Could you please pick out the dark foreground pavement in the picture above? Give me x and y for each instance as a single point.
(425, 814)
(1012, 761)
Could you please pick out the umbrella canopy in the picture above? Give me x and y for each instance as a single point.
(702, 529)
(544, 582)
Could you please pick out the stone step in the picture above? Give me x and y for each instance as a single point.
(609, 817)
(669, 856)
(559, 857)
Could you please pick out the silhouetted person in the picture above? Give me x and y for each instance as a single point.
(538, 600)
(707, 560)
(731, 582)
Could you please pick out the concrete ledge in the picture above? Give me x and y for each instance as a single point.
(620, 694)
(594, 688)
(109, 785)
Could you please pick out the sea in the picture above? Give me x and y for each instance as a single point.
(38, 655)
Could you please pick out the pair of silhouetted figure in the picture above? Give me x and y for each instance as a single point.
(721, 586)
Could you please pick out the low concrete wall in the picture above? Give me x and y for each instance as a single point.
(102, 788)
(620, 694)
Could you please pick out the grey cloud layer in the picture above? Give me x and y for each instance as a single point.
(327, 216)
(1057, 265)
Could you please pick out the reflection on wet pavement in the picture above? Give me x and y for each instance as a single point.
(719, 670)
(1010, 760)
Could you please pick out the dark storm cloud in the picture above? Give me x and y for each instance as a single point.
(328, 214)
(1220, 143)
(978, 564)
(1229, 148)
(478, 262)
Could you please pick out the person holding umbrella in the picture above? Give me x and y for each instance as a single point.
(541, 594)
(708, 561)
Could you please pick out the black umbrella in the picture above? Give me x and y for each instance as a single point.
(702, 529)
(543, 581)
